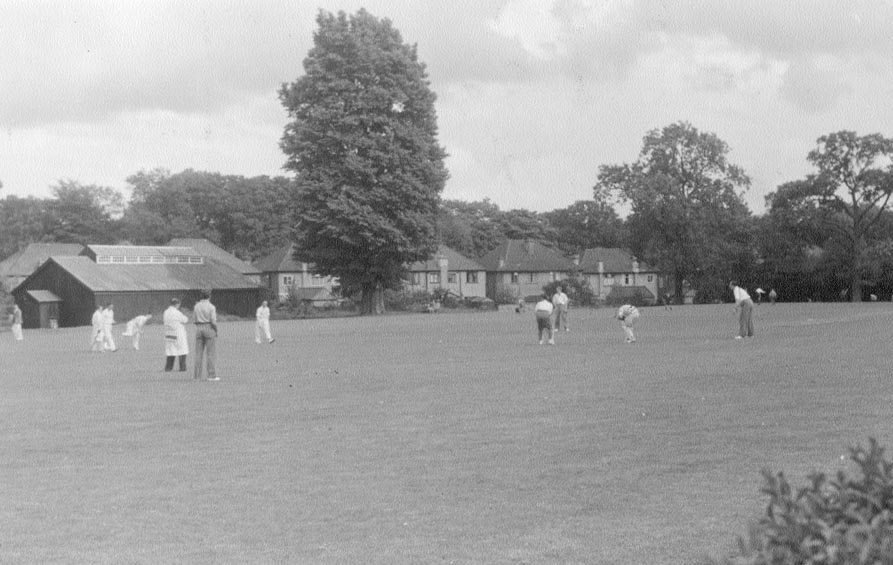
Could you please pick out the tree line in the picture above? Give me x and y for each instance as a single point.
(368, 172)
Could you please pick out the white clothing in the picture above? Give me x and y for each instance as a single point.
(17, 332)
(740, 294)
(262, 327)
(97, 337)
(559, 299)
(628, 314)
(544, 306)
(135, 328)
(176, 341)
(108, 320)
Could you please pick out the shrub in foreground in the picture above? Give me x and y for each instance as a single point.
(839, 521)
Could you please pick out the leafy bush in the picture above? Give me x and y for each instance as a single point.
(840, 521)
(579, 292)
(398, 300)
(505, 295)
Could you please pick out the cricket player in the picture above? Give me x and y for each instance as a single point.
(543, 313)
(628, 314)
(135, 329)
(262, 326)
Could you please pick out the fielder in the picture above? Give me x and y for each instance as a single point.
(263, 323)
(135, 329)
(628, 314)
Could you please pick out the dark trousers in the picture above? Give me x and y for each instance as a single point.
(169, 364)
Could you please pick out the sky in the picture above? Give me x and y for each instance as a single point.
(533, 96)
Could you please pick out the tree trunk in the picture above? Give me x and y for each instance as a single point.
(372, 302)
(856, 275)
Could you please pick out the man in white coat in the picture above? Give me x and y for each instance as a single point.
(17, 322)
(108, 320)
(263, 323)
(135, 329)
(176, 342)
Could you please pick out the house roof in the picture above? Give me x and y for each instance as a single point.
(455, 262)
(26, 261)
(145, 250)
(209, 249)
(151, 277)
(614, 259)
(524, 255)
(280, 261)
(43, 296)
(312, 293)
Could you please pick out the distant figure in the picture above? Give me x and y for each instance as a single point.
(759, 292)
(773, 296)
(97, 337)
(262, 326)
(628, 314)
(205, 336)
(521, 306)
(176, 342)
(543, 312)
(872, 297)
(560, 302)
(843, 294)
(108, 320)
(744, 304)
(667, 301)
(135, 329)
(17, 322)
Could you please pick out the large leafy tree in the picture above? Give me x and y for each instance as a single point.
(21, 222)
(853, 186)
(687, 215)
(362, 142)
(587, 223)
(80, 213)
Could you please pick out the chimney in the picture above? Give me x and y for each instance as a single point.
(501, 262)
(442, 264)
(601, 268)
(635, 266)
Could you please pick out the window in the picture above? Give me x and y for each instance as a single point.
(471, 277)
(317, 280)
(531, 277)
(158, 259)
(650, 278)
(145, 259)
(625, 279)
(196, 260)
(433, 278)
(451, 278)
(515, 278)
(417, 279)
(118, 259)
(288, 280)
(103, 259)
(608, 276)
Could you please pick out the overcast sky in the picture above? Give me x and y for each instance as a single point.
(533, 95)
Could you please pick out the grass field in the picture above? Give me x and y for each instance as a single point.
(448, 438)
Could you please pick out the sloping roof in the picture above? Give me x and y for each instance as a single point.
(159, 277)
(145, 250)
(615, 260)
(43, 296)
(26, 261)
(515, 255)
(455, 262)
(209, 249)
(279, 261)
(618, 292)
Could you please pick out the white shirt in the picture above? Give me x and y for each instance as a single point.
(108, 317)
(740, 294)
(263, 313)
(559, 299)
(626, 311)
(544, 306)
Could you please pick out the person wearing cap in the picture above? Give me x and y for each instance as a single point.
(205, 337)
(543, 313)
(176, 342)
(744, 305)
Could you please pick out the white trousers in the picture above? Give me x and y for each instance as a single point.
(262, 327)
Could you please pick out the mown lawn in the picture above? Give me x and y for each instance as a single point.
(447, 438)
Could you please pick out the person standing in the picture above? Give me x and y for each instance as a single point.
(97, 337)
(176, 342)
(263, 323)
(108, 320)
(17, 323)
(773, 296)
(135, 329)
(744, 305)
(628, 314)
(560, 302)
(543, 313)
(205, 336)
